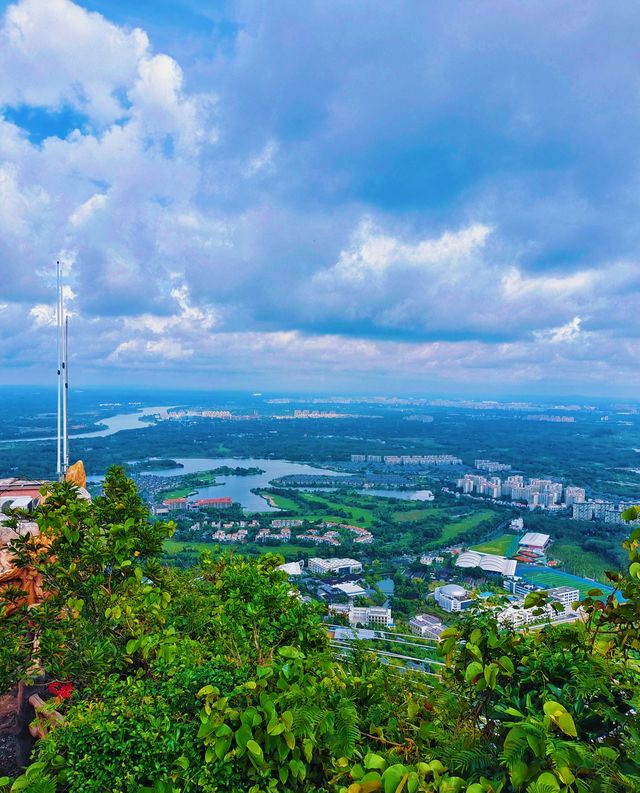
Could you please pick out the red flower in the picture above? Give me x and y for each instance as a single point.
(60, 690)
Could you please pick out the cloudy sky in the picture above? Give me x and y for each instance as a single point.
(338, 195)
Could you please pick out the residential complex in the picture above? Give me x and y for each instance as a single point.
(605, 511)
(407, 459)
(491, 466)
(535, 492)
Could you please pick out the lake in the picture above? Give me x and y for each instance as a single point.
(239, 487)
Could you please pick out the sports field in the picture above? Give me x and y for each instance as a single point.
(547, 578)
(504, 545)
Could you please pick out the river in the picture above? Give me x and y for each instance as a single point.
(113, 424)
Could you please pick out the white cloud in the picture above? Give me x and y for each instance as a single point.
(373, 253)
(569, 332)
(87, 209)
(57, 54)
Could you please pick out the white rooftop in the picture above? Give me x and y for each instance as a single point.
(534, 539)
(291, 568)
(487, 562)
(351, 590)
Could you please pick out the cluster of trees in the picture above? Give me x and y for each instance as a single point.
(218, 678)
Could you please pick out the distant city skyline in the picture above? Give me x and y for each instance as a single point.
(415, 198)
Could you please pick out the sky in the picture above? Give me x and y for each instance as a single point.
(334, 196)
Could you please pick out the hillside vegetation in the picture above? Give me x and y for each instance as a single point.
(218, 678)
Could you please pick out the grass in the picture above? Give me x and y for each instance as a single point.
(283, 503)
(504, 545)
(411, 515)
(451, 530)
(551, 578)
(321, 508)
(177, 492)
(583, 562)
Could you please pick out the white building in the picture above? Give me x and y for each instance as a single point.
(370, 615)
(350, 590)
(487, 562)
(566, 595)
(291, 568)
(517, 616)
(574, 495)
(535, 541)
(427, 626)
(334, 566)
(452, 597)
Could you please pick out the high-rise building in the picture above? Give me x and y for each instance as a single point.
(574, 495)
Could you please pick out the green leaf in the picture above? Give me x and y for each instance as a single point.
(243, 736)
(491, 675)
(507, 664)
(374, 761)
(452, 784)
(222, 746)
(565, 775)
(566, 724)
(255, 749)
(549, 780)
(536, 744)
(392, 777)
(519, 773)
(473, 670)
(132, 645)
(553, 709)
(634, 569)
(474, 651)
(290, 652)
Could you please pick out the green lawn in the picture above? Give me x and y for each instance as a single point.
(178, 492)
(284, 503)
(451, 530)
(321, 508)
(582, 562)
(549, 577)
(412, 515)
(504, 545)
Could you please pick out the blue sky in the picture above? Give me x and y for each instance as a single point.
(407, 196)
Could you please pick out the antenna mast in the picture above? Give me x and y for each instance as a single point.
(63, 379)
(59, 384)
(65, 398)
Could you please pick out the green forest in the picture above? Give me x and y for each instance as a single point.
(219, 678)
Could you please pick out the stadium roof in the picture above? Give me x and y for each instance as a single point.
(291, 568)
(534, 539)
(453, 590)
(487, 562)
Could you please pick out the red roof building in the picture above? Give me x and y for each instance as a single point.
(216, 503)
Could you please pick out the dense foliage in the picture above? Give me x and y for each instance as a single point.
(219, 678)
